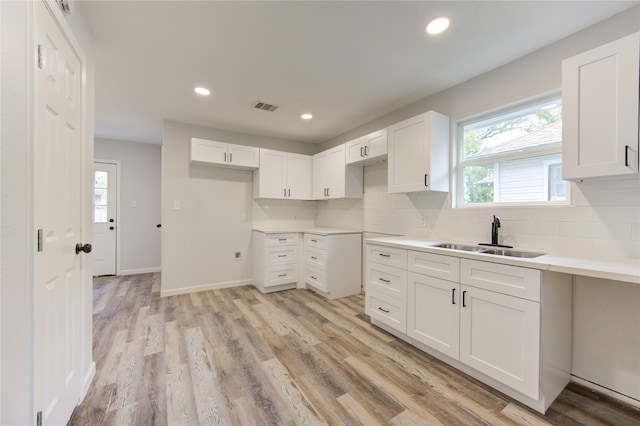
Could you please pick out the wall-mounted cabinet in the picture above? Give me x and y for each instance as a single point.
(419, 154)
(211, 153)
(283, 175)
(367, 150)
(333, 178)
(600, 111)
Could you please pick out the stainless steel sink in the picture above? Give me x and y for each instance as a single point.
(453, 246)
(489, 250)
(511, 253)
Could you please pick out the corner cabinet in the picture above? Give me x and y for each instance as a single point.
(211, 153)
(419, 154)
(600, 94)
(283, 175)
(367, 150)
(333, 178)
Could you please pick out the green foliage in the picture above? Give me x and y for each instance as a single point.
(478, 180)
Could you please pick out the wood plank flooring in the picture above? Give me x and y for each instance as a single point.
(238, 357)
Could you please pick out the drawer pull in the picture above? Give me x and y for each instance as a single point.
(314, 258)
(313, 278)
(282, 255)
(282, 239)
(464, 302)
(384, 254)
(453, 296)
(314, 241)
(384, 281)
(383, 310)
(282, 275)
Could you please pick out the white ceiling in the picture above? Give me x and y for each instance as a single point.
(346, 62)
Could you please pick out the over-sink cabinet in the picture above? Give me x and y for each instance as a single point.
(506, 325)
(212, 153)
(368, 149)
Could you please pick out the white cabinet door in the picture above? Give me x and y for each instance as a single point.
(355, 150)
(204, 151)
(336, 167)
(333, 178)
(299, 168)
(376, 144)
(500, 337)
(419, 154)
(243, 156)
(270, 179)
(600, 111)
(433, 313)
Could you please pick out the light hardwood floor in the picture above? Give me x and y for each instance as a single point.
(238, 357)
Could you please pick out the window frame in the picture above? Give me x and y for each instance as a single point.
(460, 163)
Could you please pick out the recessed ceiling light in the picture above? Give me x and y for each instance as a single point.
(306, 116)
(201, 91)
(437, 25)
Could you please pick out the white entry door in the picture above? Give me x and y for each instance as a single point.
(59, 289)
(105, 221)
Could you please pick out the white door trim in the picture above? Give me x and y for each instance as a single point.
(118, 164)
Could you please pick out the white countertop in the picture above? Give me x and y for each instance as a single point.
(318, 231)
(619, 269)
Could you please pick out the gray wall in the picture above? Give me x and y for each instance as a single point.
(200, 239)
(140, 182)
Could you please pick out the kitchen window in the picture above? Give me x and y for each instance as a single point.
(512, 156)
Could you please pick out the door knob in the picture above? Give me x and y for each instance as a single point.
(83, 247)
(111, 220)
(112, 228)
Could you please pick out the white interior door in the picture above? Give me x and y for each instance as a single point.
(105, 220)
(59, 295)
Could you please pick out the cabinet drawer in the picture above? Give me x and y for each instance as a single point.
(281, 275)
(387, 256)
(387, 280)
(313, 240)
(315, 257)
(388, 310)
(315, 278)
(281, 239)
(434, 265)
(281, 255)
(505, 279)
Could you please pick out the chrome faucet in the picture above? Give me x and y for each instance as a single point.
(495, 225)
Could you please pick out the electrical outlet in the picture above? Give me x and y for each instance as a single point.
(424, 220)
(238, 255)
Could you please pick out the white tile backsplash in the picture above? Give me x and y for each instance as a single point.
(603, 218)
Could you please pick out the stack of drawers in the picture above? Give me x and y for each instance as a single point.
(276, 261)
(315, 261)
(386, 292)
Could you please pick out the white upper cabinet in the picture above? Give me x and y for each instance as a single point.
(283, 175)
(419, 154)
(333, 178)
(600, 111)
(369, 149)
(211, 153)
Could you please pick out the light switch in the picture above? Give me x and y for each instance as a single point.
(177, 204)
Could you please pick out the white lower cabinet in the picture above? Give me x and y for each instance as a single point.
(276, 258)
(333, 264)
(508, 326)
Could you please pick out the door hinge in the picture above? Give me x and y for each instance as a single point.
(39, 418)
(41, 57)
(39, 243)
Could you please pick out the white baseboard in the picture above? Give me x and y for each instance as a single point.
(205, 287)
(139, 271)
(88, 378)
(609, 392)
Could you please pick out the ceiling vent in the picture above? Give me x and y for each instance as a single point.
(265, 106)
